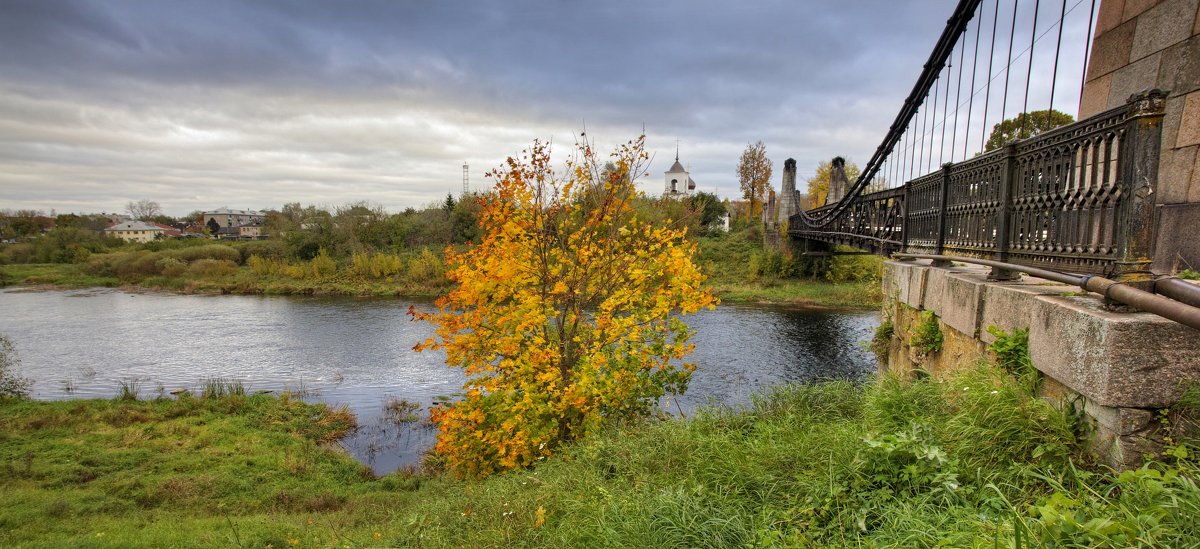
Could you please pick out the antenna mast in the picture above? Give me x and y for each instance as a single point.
(466, 179)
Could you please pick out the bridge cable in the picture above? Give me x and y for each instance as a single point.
(1008, 67)
(1054, 74)
(945, 113)
(971, 98)
(912, 152)
(1087, 45)
(932, 122)
(987, 95)
(963, 13)
(922, 164)
(962, 50)
(1029, 71)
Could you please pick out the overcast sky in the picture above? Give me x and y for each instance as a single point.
(205, 104)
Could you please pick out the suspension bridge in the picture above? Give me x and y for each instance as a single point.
(1081, 198)
(1109, 204)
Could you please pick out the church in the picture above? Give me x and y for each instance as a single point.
(677, 181)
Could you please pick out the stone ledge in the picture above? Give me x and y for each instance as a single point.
(1118, 360)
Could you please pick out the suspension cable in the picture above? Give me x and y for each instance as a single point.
(1029, 71)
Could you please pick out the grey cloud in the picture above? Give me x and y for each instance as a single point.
(253, 104)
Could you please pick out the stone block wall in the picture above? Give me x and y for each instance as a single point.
(1143, 44)
(1118, 369)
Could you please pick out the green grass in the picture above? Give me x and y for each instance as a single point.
(972, 461)
(52, 274)
(241, 281)
(726, 260)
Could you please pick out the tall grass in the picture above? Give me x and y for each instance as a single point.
(217, 387)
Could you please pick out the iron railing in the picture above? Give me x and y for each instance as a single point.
(1075, 199)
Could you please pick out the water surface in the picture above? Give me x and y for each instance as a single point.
(358, 352)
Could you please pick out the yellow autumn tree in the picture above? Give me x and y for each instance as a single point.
(566, 314)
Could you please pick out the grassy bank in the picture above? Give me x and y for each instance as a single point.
(738, 272)
(973, 461)
(231, 280)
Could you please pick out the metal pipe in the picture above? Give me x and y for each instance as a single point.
(1178, 289)
(1181, 312)
(1040, 273)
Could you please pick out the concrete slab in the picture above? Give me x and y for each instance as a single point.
(1007, 305)
(1112, 359)
(964, 292)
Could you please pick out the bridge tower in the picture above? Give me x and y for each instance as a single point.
(1156, 44)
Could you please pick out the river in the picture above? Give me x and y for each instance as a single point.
(358, 352)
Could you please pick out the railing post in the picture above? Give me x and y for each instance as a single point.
(1008, 186)
(904, 219)
(1139, 177)
(940, 248)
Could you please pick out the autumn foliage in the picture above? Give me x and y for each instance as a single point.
(565, 315)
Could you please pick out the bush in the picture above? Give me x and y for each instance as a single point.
(376, 265)
(11, 385)
(266, 249)
(16, 253)
(854, 268)
(771, 263)
(264, 266)
(427, 267)
(169, 266)
(322, 265)
(211, 251)
(212, 268)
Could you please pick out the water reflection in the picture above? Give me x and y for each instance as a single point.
(358, 352)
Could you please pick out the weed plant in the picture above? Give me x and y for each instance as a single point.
(927, 336)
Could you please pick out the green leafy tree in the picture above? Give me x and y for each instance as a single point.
(709, 210)
(1024, 126)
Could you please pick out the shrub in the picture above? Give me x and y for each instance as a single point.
(212, 268)
(266, 249)
(265, 266)
(426, 267)
(11, 384)
(21, 252)
(376, 265)
(322, 265)
(218, 252)
(170, 266)
(853, 268)
(771, 263)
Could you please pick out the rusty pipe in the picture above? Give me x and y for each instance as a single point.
(1183, 313)
(1178, 289)
(1073, 280)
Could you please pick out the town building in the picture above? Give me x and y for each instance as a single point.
(225, 217)
(136, 231)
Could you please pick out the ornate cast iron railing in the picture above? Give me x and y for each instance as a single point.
(1074, 199)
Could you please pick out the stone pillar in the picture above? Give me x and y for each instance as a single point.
(789, 204)
(837, 180)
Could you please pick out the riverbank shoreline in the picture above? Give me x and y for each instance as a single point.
(791, 293)
(971, 460)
